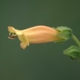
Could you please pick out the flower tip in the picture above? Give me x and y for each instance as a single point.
(11, 29)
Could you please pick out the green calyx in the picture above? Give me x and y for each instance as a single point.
(65, 33)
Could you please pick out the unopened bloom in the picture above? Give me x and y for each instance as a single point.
(34, 35)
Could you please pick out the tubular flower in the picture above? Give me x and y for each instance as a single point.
(35, 35)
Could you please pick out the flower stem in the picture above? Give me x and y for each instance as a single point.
(76, 40)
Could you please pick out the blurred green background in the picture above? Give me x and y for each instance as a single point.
(42, 61)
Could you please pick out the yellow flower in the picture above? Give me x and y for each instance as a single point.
(34, 35)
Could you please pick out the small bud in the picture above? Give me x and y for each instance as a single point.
(73, 52)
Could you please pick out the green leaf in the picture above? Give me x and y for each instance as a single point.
(73, 52)
(65, 33)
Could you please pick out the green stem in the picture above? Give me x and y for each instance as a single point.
(76, 40)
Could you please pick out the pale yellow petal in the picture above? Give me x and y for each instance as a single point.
(23, 45)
